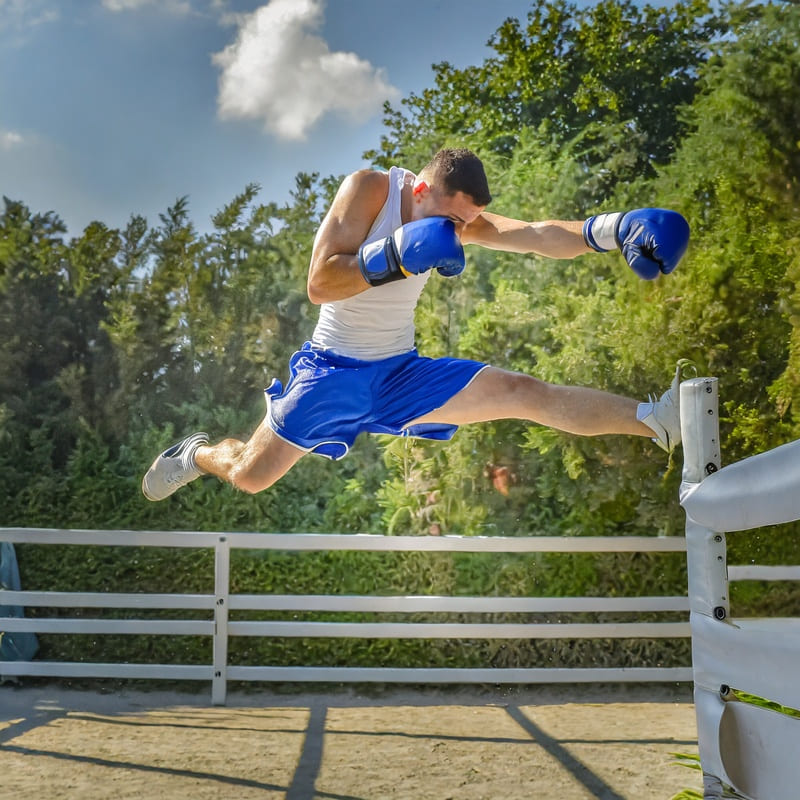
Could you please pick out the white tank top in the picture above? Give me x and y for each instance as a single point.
(379, 322)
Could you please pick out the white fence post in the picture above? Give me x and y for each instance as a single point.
(222, 564)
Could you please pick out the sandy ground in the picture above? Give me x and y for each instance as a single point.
(570, 743)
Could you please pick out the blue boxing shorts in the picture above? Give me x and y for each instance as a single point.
(330, 399)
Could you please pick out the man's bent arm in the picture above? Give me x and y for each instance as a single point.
(333, 273)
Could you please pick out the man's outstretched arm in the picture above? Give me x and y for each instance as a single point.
(652, 240)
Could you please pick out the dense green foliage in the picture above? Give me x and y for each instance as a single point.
(115, 343)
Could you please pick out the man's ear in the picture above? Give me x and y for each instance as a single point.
(419, 187)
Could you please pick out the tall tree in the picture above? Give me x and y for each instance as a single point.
(612, 76)
(738, 177)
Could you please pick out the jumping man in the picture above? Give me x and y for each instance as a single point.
(383, 237)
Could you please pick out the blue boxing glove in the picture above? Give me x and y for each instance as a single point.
(412, 249)
(653, 240)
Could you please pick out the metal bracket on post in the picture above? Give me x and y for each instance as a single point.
(222, 564)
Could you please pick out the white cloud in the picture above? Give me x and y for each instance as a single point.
(280, 71)
(21, 15)
(174, 6)
(10, 139)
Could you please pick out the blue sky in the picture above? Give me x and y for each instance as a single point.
(114, 107)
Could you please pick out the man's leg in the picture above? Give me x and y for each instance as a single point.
(499, 394)
(251, 466)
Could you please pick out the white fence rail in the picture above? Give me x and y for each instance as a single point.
(219, 627)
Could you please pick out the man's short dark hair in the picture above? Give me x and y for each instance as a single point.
(460, 170)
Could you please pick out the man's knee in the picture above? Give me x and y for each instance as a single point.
(519, 384)
(245, 476)
(260, 463)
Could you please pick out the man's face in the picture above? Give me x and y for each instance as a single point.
(458, 207)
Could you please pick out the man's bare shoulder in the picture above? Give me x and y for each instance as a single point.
(361, 195)
(367, 181)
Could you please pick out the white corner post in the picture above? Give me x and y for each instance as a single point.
(743, 745)
(706, 555)
(705, 548)
(222, 563)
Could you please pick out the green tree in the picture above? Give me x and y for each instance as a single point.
(736, 177)
(611, 76)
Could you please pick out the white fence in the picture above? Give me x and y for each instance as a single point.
(218, 605)
(221, 602)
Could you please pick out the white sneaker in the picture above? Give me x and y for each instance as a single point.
(174, 468)
(663, 415)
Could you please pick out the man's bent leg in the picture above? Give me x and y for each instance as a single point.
(499, 394)
(251, 466)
